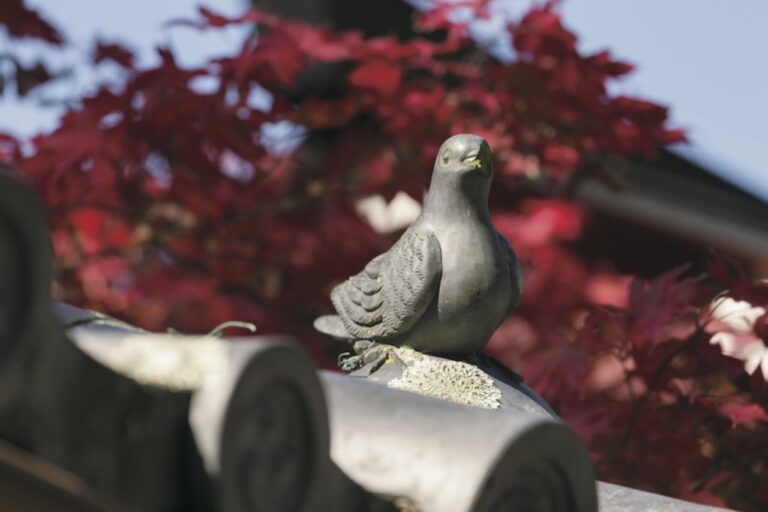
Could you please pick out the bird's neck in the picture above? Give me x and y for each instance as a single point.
(450, 202)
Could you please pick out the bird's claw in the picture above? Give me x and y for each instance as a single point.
(349, 362)
(366, 353)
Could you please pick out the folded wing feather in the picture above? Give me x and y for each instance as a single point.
(393, 291)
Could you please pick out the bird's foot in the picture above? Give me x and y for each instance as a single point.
(366, 353)
(349, 362)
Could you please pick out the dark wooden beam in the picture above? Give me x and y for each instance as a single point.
(28, 483)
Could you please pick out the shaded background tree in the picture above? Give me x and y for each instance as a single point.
(171, 207)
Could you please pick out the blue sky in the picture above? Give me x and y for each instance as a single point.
(705, 59)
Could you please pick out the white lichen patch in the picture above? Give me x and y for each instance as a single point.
(445, 379)
(179, 363)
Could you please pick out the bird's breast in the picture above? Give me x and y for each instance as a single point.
(474, 277)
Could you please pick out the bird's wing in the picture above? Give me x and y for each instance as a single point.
(394, 290)
(515, 275)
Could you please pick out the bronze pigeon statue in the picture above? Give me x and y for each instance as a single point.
(447, 283)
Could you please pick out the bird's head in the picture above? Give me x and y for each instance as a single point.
(464, 167)
(466, 155)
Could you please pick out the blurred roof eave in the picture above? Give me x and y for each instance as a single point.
(680, 193)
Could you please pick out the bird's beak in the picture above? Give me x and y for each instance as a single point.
(472, 159)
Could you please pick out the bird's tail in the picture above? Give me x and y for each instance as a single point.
(332, 326)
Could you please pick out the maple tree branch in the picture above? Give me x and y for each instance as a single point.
(653, 381)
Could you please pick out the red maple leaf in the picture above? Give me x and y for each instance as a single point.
(21, 21)
(113, 52)
(741, 412)
(382, 77)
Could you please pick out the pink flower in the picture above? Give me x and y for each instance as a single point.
(738, 339)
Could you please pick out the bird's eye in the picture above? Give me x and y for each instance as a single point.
(446, 156)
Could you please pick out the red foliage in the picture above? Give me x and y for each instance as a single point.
(380, 77)
(113, 52)
(9, 149)
(740, 413)
(168, 209)
(21, 21)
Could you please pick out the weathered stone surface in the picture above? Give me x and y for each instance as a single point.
(256, 410)
(615, 498)
(447, 457)
(445, 379)
(24, 287)
(516, 398)
(257, 413)
(499, 387)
